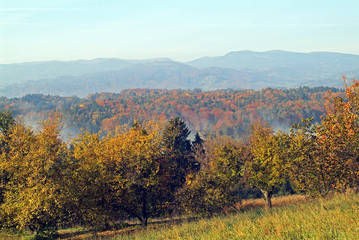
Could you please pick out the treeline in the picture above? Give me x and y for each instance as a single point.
(221, 112)
(152, 169)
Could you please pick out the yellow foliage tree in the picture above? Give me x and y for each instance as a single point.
(35, 163)
(124, 174)
(307, 172)
(214, 186)
(90, 182)
(143, 181)
(267, 169)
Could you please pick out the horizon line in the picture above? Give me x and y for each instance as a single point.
(172, 59)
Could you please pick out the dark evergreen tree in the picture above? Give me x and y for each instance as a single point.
(198, 152)
(177, 148)
(197, 140)
(6, 121)
(175, 137)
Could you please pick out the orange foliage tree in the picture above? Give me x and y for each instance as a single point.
(325, 157)
(338, 137)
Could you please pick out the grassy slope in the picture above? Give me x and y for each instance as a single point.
(293, 217)
(334, 218)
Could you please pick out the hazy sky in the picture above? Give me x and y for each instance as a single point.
(39, 30)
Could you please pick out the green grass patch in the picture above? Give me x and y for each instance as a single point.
(331, 218)
(334, 218)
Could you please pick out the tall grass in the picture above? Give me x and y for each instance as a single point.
(334, 218)
(293, 217)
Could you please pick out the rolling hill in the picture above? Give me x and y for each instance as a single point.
(236, 70)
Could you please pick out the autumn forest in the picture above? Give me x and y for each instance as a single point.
(222, 112)
(147, 153)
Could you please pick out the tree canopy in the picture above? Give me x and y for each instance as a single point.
(152, 168)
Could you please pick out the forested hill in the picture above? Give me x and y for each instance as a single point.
(224, 112)
(242, 69)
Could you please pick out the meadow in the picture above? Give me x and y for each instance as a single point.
(325, 218)
(292, 217)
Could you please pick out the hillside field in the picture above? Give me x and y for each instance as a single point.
(334, 218)
(293, 217)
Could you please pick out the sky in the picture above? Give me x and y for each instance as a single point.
(183, 30)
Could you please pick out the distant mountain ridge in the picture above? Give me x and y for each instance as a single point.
(276, 58)
(242, 69)
(23, 72)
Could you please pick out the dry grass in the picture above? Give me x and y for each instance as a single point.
(334, 218)
(158, 225)
(293, 217)
(276, 202)
(99, 235)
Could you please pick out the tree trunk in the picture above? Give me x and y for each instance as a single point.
(267, 195)
(144, 217)
(144, 221)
